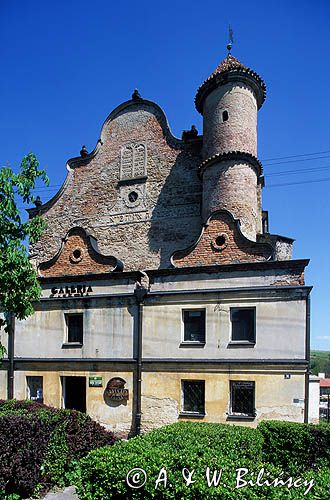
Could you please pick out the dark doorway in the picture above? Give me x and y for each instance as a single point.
(74, 393)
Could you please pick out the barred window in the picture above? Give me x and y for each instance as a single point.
(75, 326)
(243, 324)
(242, 396)
(194, 325)
(193, 396)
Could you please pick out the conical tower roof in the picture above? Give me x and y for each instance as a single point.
(231, 69)
(230, 62)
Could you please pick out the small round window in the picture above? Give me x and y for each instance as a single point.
(76, 255)
(133, 196)
(220, 242)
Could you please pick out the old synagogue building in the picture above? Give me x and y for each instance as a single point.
(165, 297)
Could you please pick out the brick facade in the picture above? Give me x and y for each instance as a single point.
(221, 243)
(78, 256)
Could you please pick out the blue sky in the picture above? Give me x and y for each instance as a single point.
(66, 64)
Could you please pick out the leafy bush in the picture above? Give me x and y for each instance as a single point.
(194, 446)
(40, 445)
(23, 443)
(295, 446)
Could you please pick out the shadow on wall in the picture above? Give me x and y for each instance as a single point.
(176, 218)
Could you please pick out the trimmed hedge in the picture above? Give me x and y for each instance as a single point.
(295, 446)
(194, 446)
(40, 445)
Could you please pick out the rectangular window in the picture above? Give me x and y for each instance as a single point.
(75, 327)
(243, 324)
(193, 396)
(34, 388)
(242, 399)
(194, 325)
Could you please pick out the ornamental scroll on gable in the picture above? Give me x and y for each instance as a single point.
(222, 242)
(79, 255)
(133, 161)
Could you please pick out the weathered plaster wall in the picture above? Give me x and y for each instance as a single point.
(161, 402)
(108, 330)
(117, 417)
(280, 330)
(3, 384)
(314, 400)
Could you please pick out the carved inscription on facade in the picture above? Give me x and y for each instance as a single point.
(127, 218)
(133, 161)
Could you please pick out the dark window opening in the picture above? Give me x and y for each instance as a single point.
(193, 396)
(35, 388)
(220, 240)
(75, 326)
(74, 393)
(76, 253)
(242, 398)
(225, 116)
(243, 324)
(133, 196)
(194, 325)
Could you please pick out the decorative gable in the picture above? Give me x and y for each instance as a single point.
(79, 255)
(222, 242)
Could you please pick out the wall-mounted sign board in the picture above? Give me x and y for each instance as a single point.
(95, 381)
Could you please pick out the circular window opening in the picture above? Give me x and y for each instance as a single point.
(76, 253)
(220, 240)
(133, 196)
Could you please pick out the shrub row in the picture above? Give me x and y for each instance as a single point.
(39, 445)
(196, 446)
(295, 446)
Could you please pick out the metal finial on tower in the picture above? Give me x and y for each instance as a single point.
(230, 39)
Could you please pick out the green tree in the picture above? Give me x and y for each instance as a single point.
(19, 286)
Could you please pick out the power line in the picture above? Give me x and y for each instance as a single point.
(295, 161)
(296, 156)
(300, 171)
(326, 179)
(281, 172)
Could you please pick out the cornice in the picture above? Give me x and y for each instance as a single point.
(232, 155)
(244, 75)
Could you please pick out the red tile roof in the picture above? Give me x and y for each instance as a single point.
(325, 382)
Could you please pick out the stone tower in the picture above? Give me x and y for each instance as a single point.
(229, 101)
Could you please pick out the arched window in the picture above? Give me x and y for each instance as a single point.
(225, 116)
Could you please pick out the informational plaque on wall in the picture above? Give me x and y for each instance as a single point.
(116, 391)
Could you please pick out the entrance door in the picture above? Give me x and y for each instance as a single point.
(74, 393)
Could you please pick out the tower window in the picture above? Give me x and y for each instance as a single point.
(225, 116)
